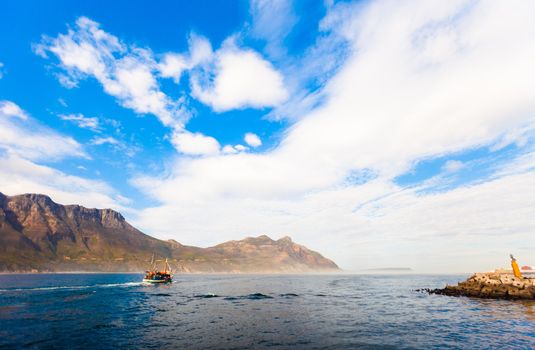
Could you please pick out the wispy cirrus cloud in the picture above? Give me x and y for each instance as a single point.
(172, 65)
(20, 175)
(116, 145)
(272, 21)
(11, 109)
(25, 137)
(104, 140)
(24, 143)
(91, 123)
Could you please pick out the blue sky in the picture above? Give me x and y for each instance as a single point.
(367, 130)
(32, 83)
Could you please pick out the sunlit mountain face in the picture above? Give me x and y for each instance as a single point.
(380, 133)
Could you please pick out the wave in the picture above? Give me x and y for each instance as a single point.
(254, 296)
(209, 295)
(108, 285)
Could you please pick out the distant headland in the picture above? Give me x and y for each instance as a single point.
(39, 235)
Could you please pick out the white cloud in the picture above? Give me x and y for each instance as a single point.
(240, 148)
(229, 149)
(22, 136)
(19, 176)
(467, 229)
(242, 79)
(233, 149)
(415, 86)
(453, 166)
(305, 72)
(126, 72)
(10, 109)
(130, 74)
(23, 142)
(91, 123)
(118, 146)
(173, 65)
(272, 20)
(252, 140)
(200, 50)
(195, 143)
(104, 140)
(229, 78)
(390, 228)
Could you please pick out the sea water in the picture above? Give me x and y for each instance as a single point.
(116, 311)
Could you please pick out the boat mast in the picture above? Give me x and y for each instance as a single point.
(167, 267)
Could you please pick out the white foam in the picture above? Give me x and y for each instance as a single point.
(127, 284)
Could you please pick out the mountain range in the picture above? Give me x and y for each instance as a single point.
(39, 235)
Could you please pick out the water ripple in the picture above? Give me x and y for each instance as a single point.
(243, 312)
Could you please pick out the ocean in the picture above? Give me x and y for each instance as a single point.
(116, 311)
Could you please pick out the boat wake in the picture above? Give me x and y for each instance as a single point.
(109, 285)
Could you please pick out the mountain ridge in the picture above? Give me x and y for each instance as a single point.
(38, 234)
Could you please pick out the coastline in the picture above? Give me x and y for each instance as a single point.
(274, 273)
(180, 273)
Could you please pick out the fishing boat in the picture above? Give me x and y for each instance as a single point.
(158, 276)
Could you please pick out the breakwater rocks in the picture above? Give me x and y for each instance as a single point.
(491, 285)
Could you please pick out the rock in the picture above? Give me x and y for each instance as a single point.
(499, 291)
(491, 285)
(517, 293)
(489, 292)
(518, 284)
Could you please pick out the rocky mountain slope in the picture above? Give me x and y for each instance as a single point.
(37, 234)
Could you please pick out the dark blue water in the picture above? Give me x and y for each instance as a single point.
(115, 311)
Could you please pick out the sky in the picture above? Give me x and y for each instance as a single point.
(379, 133)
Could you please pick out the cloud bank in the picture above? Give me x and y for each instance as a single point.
(422, 80)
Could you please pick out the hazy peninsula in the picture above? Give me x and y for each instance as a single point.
(39, 235)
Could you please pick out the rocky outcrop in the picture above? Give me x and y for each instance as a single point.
(491, 285)
(38, 234)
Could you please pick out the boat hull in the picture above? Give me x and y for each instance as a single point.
(156, 281)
